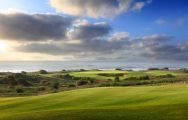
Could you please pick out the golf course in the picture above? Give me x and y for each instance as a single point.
(94, 95)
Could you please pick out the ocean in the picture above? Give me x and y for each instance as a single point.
(31, 66)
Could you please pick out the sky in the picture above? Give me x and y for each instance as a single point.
(118, 30)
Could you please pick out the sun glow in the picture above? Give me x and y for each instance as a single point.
(3, 46)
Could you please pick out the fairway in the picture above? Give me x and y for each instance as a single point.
(126, 103)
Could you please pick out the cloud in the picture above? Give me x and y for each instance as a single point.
(91, 39)
(160, 22)
(167, 52)
(89, 31)
(81, 39)
(138, 5)
(96, 8)
(33, 27)
(161, 47)
(118, 45)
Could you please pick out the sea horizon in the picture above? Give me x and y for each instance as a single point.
(32, 66)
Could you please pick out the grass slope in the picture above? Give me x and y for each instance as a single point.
(126, 103)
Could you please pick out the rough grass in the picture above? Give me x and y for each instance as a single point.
(169, 102)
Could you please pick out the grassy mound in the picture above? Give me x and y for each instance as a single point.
(126, 103)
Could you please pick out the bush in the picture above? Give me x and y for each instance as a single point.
(23, 72)
(67, 76)
(132, 78)
(55, 85)
(81, 82)
(92, 81)
(41, 89)
(167, 76)
(165, 68)
(118, 69)
(10, 80)
(71, 85)
(184, 70)
(146, 77)
(111, 74)
(44, 82)
(43, 72)
(153, 69)
(22, 79)
(117, 79)
(19, 90)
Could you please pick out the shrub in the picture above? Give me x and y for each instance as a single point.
(22, 79)
(170, 76)
(146, 77)
(110, 74)
(167, 76)
(41, 88)
(184, 70)
(43, 72)
(81, 82)
(165, 68)
(153, 69)
(23, 72)
(67, 76)
(92, 81)
(44, 82)
(10, 80)
(132, 78)
(117, 79)
(118, 69)
(71, 85)
(19, 90)
(55, 85)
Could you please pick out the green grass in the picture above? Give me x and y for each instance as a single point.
(169, 102)
(94, 74)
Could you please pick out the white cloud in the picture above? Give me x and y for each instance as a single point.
(160, 22)
(138, 6)
(92, 8)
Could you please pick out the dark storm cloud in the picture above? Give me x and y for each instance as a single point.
(33, 27)
(89, 31)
